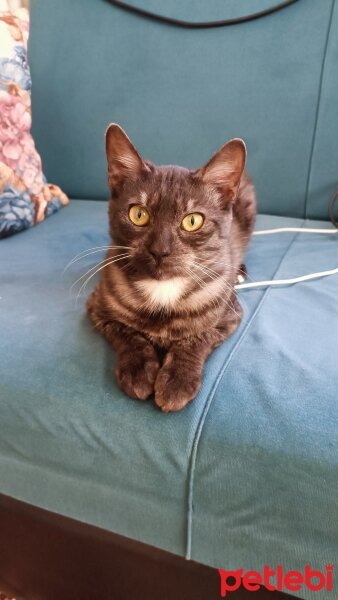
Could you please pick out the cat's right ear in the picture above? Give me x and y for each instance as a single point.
(124, 162)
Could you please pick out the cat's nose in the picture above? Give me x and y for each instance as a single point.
(160, 245)
(158, 251)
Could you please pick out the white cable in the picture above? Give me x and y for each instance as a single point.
(277, 282)
(294, 229)
(241, 286)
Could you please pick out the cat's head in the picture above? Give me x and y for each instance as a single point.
(171, 217)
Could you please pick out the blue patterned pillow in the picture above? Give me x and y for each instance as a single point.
(25, 196)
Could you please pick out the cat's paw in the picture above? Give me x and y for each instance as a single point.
(176, 384)
(136, 372)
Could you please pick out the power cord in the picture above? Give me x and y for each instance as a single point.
(294, 229)
(281, 282)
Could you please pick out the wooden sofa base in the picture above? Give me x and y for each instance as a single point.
(45, 556)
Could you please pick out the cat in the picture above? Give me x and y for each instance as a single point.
(166, 295)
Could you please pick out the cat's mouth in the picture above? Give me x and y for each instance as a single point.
(158, 270)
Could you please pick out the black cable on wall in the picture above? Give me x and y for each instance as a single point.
(199, 25)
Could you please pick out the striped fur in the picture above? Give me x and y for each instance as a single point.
(171, 300)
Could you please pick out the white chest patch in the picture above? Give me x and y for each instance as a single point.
(162, 293)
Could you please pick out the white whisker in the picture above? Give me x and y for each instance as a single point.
(93, 250)
(84, 285)
(202, 284)
(227, 288)
(232, 268)
(225, 284)
(124, 254)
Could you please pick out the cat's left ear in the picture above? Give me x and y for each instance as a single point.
(225, 168)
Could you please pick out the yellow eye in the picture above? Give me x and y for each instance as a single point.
(193, 222)
(139, 215)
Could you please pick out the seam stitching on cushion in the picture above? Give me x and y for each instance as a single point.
(199, 428)
(315, 127)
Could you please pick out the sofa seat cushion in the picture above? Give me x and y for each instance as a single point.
(251, 463)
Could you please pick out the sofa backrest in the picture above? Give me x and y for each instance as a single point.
(181, 93)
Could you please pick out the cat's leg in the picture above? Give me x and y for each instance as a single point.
(137, 363)
(180, 376)
(136, 368)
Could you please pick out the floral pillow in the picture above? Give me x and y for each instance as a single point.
(25, 196)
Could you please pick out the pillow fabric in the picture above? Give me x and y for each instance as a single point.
(25, 196)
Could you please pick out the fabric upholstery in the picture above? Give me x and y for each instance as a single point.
(25, 197)
(246, 475)
(180, 94)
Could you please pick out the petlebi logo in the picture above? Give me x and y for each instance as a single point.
(277, 579)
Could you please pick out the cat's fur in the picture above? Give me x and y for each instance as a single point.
(162, 314)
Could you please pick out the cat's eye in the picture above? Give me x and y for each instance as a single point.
(139, 215)
(192, 222)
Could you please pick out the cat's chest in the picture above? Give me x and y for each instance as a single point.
(165, 329)
(165, 310)
(162, 294)
(164, 325)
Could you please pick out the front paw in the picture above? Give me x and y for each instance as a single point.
(177, 384)
(136, 372)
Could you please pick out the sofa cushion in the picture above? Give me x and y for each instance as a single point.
(252, 463)
(180, 94)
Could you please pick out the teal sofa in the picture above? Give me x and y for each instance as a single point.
(247, 474)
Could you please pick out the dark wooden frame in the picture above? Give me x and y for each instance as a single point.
(45, 556)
